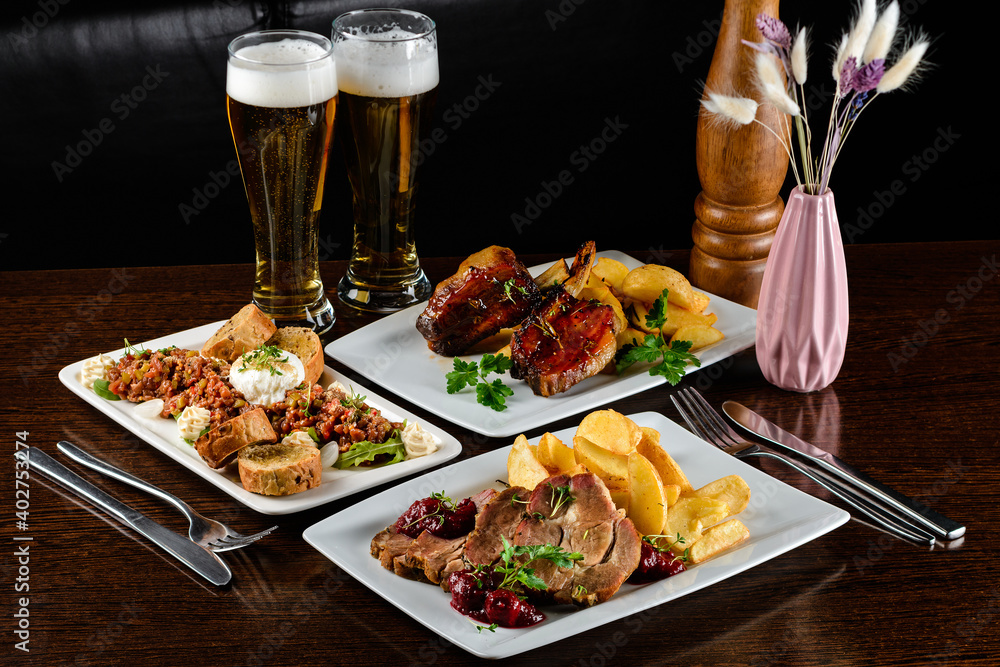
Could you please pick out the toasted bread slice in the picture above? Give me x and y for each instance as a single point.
(279, 469)
(218, 446)
(246, 330)
(304, 344)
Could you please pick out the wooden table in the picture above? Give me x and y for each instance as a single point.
(915, 405)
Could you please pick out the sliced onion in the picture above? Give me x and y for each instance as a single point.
(150, 409)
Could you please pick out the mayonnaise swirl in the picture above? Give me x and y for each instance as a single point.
(95, 368)
(192, 422)
(418, 442)
(300, 438)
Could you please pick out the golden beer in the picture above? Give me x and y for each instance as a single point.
(387, 72)
(281, 101)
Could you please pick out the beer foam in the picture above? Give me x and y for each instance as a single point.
(387, 64)
(288, 73)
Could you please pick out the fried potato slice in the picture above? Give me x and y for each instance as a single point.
(647, 504)
(666, 466)
(717, 539)
(699, 301)
(612, 468)
(689, 516)
(732, 489)
(647, 282)
(677, 318)
(556, 456)
(523, 467)
(699, 335)
(611, 272)
(610, 430)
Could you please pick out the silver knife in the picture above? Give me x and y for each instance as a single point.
(938, 524)
(199, 559)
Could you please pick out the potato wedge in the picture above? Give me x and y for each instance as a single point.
(699, 301)
(611, 430)
(647, 282)
(700, 335)
(732, 489)
(647, 503)
(672, 493)
(717, 539)
(557, 457)
(612, 468)
(689, 516)
(670, 472)
(611, 272)
(523, 467)
(620, 497)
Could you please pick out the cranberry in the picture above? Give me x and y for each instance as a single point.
(437, 517)
(504, 608)
(655, 565)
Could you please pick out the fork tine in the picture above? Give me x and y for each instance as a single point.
(718, 426)
(694, 428)
(228, 542)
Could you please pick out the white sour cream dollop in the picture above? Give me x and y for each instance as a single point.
(95, 368)
(418, 442)
(192, 422)
(265, 378)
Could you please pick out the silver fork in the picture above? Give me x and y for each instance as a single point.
(705, 422)
(203, 531)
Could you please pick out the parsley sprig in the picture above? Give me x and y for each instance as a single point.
(473, 374)
(515, 558)
(263, 359)
(673, 357)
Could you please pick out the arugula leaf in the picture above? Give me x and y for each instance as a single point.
(472, 374)
(365, 451)
(673, 357)
(101, 389)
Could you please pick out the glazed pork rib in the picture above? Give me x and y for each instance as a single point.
(565, 340)
(491, 290)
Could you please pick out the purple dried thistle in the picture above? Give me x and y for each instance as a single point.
(847, 74)
(774, 30)
(868, 76)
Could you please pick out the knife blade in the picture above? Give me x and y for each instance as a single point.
(199, 559)
(938, 524)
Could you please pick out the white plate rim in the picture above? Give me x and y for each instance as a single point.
(375, 350)
(342, 485)
(797, 518)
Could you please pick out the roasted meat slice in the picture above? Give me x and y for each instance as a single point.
(491, 290)
(499, 517)
(577, 513)
(565, 340)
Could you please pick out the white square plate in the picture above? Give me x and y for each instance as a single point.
(779, 518)
(393, 354)
(162, 434)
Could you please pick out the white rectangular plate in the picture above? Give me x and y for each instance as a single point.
(779, 518)
(393, 354)
(162, 434)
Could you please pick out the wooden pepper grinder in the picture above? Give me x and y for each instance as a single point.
(741, 170)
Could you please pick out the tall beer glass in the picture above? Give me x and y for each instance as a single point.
(387, 70)
(281, 96)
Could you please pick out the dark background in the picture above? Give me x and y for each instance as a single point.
(159, 187)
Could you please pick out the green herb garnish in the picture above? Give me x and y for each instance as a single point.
(472, 374)
(559, 497)
(679, 539)
(263, 359)
(516, 558)
(675, 356)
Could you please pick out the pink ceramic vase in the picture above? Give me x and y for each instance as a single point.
(802, 312)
